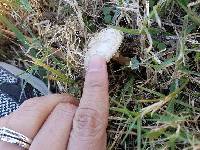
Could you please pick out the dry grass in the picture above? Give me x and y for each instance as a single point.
(154, 78)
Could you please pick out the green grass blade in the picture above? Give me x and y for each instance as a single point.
(17, 32)
(193, 16)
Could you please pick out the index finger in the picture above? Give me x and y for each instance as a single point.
(95, 92)
(90, 121)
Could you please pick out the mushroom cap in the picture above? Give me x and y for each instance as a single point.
(105, 44)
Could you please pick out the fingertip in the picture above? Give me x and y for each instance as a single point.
(96, 63)
(95, 92)
(55, 132)
(96, 80)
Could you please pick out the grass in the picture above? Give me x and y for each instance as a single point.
(154, 78)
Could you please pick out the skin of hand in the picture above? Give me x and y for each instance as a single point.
(60, 122)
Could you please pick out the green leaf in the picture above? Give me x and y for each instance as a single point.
(134, 64)
(197, 57)
(108, 19)
(26, 5)
(106, 10)
(165, 64)
(171, 105)
(17, 32)
(155, 134)
(152, 31)
(187, 71)
(193, 16)
(152, 3)
(139, 130)
(174, 85)
(184, 2)
(60, 76)
(170, 118)
(127, 30)
(150, 91)
(190, 28)
(161, 46)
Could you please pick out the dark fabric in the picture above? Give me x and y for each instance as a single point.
(13, 92)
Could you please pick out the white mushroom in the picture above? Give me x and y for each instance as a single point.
(105, 43)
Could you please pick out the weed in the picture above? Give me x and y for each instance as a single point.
(154, 78)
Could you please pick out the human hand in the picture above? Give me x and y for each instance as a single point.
(58, 122)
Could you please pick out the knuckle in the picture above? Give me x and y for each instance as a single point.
(31, 105)
(32, 108)
(65, 109)
(88, 122)
(95, 84)
(58, 97)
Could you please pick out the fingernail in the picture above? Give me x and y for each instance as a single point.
(96, 63)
